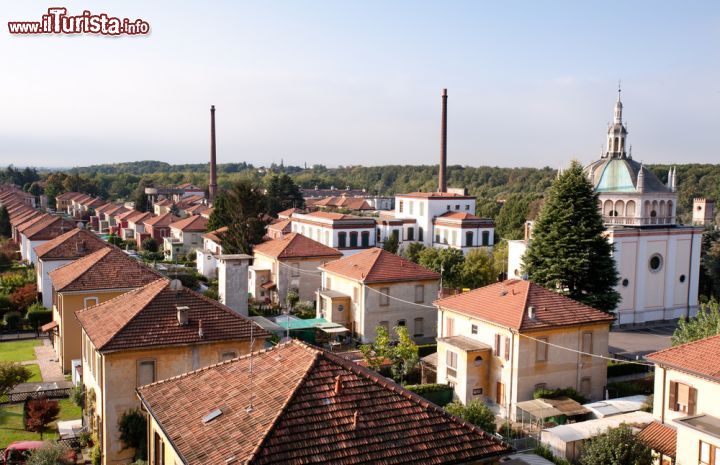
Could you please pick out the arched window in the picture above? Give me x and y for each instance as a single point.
(670, 212)
(630, 209)
(619, 208)
(608, 208)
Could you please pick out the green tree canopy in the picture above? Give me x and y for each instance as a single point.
(391, 244)
(478, 269)
(568, 251)
(241, 209)
(448, 262)
(511, 219)
(412, 251)
(5, 229)
(475, 412)
(282, 193)
(705, 324)
(618, 446)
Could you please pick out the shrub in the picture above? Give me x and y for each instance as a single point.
(40, 413)
(544, 451)
(426, 349)
(24, 296)
(114, 240)
(188, 280)
(133, 429)
(630, 388)
(559, 392)
(149, 244)
(37, 315)
(96, 455)
(52, 453)
(475, 412)
(617, 445)
(77, 395)
(440, 394)
(12, 374)
(5, 304)
(624, 368)
(12, 320)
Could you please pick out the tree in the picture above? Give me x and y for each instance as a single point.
(478, 269)
(40, 413)
(568, 251)
(404, 355)
(412, 251)
(705, 324)
(52, 453)
(149, 244)
(618, 446)
(5, 229)
(24, 296)
(377, 352)
(710, 264)
(511, 219)
(133, 431)
(140, 199)
(447, 262)
(282, 193)
(391, 244)
(475, 412)
(240, 209)
(12, 374)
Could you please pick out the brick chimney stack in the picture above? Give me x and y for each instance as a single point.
(213, 163)
(442, 177)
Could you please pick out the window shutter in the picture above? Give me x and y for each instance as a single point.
(497, 345)
(692, 401)
(507, 348)
(672, 398)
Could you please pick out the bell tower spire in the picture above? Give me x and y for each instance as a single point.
(617, 132)
(618, 107)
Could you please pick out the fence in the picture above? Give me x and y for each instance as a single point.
(14, 397)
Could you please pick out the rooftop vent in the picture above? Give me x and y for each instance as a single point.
(338, 384)
(531, 312)
(182, 315)
(200, 329)
(175, 285)
(211, 416)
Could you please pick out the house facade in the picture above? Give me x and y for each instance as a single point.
(377, 288)
(501, 342)
(687, 415)
(347, 233)
(155, 332)
(185, 236)
(206, 260)
(288, 264)
(157, 227)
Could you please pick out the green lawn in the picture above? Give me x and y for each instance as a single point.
(11, 427)
(18, 351)
(36, 376)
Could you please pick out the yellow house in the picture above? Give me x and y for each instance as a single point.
(152, 333)
(686, 430)
(91, 280)
(377, 288)
(501, 342)
(294, 404)
(288, 263)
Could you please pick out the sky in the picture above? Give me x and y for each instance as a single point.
(359, 82)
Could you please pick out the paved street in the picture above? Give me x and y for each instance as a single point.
(629, 343)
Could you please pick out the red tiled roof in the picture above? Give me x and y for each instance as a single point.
(351, 203)
(281, 225)
(379, 266)
(67, 195)
(107, 268)
(334, 216)
(31, 221)
(126, 215)
(455, 215)
(139, 217)
(288, 213)
(160, 221)
(71, 245)
(25, 216)
(296, 245)
(191, 224)
(163, 203)
(506, 304)
(215, 236)
(660, 438)
(701, 358)
(147, 317)
(48, 228)
(298, 418)
(104, 208)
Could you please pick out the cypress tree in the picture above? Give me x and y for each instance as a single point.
(568, 251)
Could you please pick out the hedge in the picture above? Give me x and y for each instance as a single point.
(624, 368)
(426, 349)
(439, 394)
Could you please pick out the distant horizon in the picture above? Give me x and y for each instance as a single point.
(359, 83)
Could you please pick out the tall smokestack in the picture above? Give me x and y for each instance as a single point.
(442, 181)
(213, 163)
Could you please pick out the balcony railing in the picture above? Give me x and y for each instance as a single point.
(638, 221)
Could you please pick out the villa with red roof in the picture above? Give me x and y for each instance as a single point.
(377, 288)
(206, 261)
(347, 233)
(289, 263)
(686, 408)
(500, 343)
(157, 227)
(185, 236)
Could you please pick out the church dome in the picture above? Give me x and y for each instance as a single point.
(620, 174)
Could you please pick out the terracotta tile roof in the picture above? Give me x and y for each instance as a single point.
(197, 209)
(334, 216)
(67, 195)
(81, 198)
(216, 235)
(507, 303)
(160, 221)
(351, 203)
(48, 228)
(147, 317)
(139, 217)
(298, 418)
(701, 358)
(125, 215)
(660, 438)
(31, 221)
(107, 268)
(25, 216)
(296, 245)
(378, 266)
(189, 186)
(104, 208)
(288, 213)
(281, 225)
(71, 245)
(436, 195)
(95, 203)
(463, 216)
(164, 203)
(191, 224)
(114, 210)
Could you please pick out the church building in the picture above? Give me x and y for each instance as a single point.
(657, 259)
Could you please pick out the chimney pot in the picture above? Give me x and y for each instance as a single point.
(338, 384)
